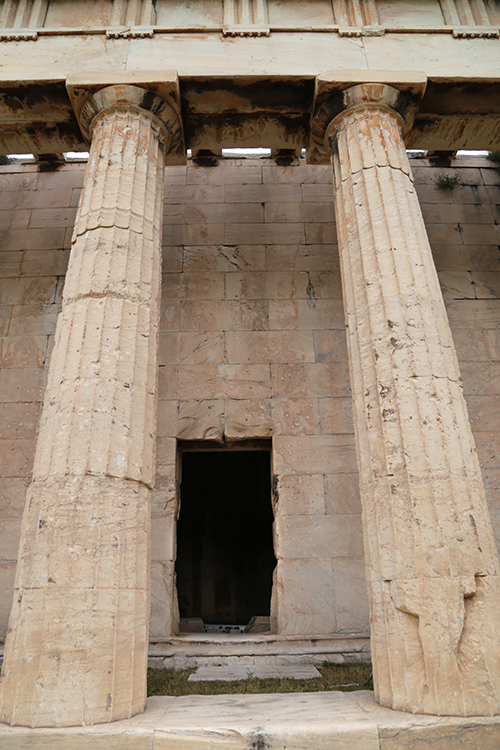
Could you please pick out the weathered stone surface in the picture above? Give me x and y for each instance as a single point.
(16, 457)
(164, 618)
(323, 380)
(7, 576)
(351, 604)
(303, 599)
(432, 568)
(166, 448)
(225, 257)
(248, 418)
(192, 420)
(164, 495)
(330, 346)
(335, 415)
(342, 493)
(243, 672)
(10, 529)
(224, 381)
(296, 416)
(38, 319)
(266, 285)
(315, 454)
(300, 494)
(23, 351)
(303, 257)
(12, 496)
(22, 384)
(224, 316)
(349, 721)
(296, 391)
(82, 584)
(191, 348)
(269, 346)
(163, 538)
(317, 536)
(304, 314)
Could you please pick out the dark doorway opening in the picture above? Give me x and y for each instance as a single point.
(225, 556)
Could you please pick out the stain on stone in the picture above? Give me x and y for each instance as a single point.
(205, 158)
(273, 94)
(258, 743)
(310, 290)
(274, 491)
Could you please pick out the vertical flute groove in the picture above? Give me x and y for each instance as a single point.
(83, 575)
(432, 569)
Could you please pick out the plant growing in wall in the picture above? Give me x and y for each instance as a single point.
(447, 181)
(494, 157)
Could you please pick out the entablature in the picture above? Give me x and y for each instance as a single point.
(240, 111)
(25, 20)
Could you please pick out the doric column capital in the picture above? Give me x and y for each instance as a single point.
(341, 93)
(155, 93)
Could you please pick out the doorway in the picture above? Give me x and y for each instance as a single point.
(225, 556)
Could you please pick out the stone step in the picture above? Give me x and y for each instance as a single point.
(296, 721)
(247, 671)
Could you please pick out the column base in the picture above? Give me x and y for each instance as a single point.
(76, 648)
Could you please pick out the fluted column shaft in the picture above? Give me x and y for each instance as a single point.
(76, 651)
(432, 566)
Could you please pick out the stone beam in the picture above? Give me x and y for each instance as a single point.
(431, 564)
(233, 110)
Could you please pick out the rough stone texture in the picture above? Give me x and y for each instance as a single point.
(244, 672)
(76, 648)
(431, 563)
(292, 396)
(344, 721)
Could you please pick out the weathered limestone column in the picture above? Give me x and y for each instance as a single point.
(432, 566)
(76, 650)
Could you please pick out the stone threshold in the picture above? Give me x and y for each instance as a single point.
(295, 721)
(191, 650)
(204, 649)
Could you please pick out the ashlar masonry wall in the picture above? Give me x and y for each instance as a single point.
(252, 345)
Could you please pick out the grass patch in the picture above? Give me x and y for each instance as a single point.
(345, 677)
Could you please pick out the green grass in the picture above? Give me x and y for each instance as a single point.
(345, 677)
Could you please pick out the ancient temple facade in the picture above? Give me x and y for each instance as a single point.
(234, 419)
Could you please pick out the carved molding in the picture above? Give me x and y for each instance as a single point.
(19, 36)
(129, 33)
(475, 33)
(245, 31)
(131, 19)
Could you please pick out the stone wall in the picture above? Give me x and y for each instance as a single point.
(252, 345)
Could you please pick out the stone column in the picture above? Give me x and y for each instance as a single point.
(76, 650)
(431, 563)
